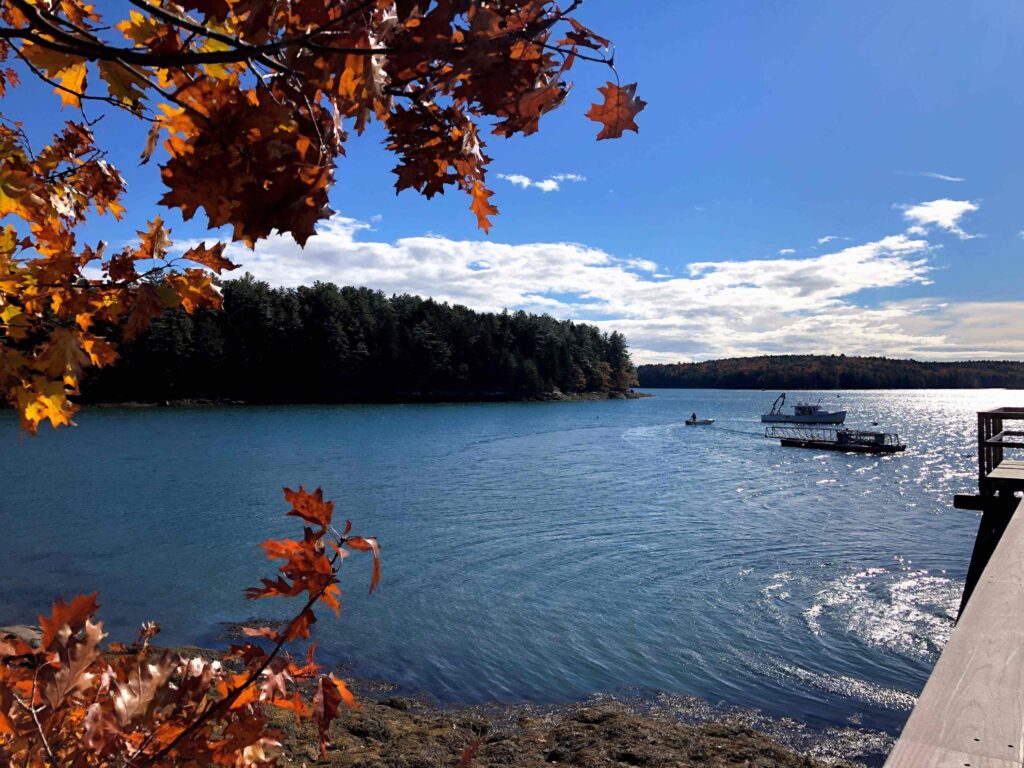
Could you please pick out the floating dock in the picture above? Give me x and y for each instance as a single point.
(971, 711)
(845, 440)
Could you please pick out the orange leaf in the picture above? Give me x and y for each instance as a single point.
(210, 257)
(618, 111)
(155, 241)
(368, 545)
(266, 632)
(295, 704)
(71, 615)
(346, 694)
(330, 598)
(299, 626)
(482, 206)
(330, 692)
(311, 507)
(247, 695)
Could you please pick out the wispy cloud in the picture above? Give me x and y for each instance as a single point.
(932, 175)
(827, 239)
(786, 251)
(944, 213)
(550, 184)
(708, 309)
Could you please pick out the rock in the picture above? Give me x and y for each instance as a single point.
(386, 734)
(30, 634)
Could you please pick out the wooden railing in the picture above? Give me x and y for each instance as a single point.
(993, 438)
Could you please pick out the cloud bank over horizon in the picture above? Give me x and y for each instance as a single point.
(716, 309)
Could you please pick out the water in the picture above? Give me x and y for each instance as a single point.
(532, 552)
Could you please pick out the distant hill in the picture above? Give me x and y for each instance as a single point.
(832, 372)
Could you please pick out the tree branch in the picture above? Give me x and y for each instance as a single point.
(228, 700)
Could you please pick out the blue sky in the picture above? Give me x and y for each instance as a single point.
(770, 126)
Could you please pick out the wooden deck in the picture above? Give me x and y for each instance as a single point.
(1008, 469)
(971, 712)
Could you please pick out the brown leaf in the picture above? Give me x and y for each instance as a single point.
(482, 207)
(212, 257)
(311, 507)
(469, 753)
(368, 545)
(616, 114)
(66, 619)
(330, 693)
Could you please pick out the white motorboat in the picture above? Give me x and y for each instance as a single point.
(803, 413)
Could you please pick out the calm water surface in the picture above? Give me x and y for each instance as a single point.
(532, 552)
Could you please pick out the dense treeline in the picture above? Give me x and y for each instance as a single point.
(328, 344)
(832, 372)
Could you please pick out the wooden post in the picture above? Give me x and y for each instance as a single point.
(995, 516)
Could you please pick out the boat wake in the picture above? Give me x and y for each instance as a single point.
(845, 686)
(907, 611)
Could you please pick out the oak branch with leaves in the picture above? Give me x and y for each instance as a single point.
(70, 702)
(251, 101)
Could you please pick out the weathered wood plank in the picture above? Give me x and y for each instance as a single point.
(1004, 472)
(972, 707)
(907, 752)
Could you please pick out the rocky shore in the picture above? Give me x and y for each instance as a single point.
(401, 733)
(389, 731)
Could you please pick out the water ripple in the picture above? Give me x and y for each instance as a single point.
(532, 552)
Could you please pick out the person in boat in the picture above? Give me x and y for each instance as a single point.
(693, 417)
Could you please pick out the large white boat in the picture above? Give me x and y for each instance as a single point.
(803, 413)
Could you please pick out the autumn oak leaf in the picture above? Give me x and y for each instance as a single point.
(330, 693)
(67, 618)
(482, 206)
(368, 544)
(618, 112)
(311, 507)
(212, 257)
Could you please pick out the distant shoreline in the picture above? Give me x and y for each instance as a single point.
(832, 372)
(439, 398)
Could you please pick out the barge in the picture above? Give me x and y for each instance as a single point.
(844, 440)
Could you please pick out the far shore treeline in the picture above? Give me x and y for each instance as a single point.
(832, 372)
(327, 344)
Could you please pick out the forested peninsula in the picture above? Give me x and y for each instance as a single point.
(832, 372)
(328, 344)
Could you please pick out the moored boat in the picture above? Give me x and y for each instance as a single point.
(845, 440)
(803, 413)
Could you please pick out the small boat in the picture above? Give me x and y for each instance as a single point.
(699, 422)
(845, 440)
(803, 413)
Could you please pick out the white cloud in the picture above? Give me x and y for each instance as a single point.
(827, 239)
(550, 184)
(786, 251)
(644, 265)
(944, 213)
(932, 175)
(714, 309)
